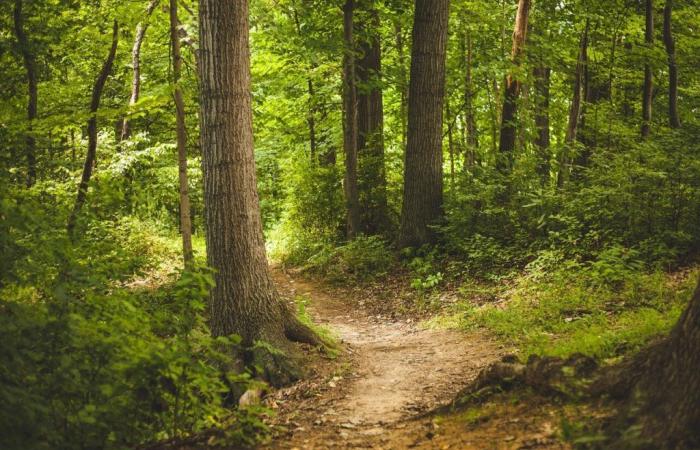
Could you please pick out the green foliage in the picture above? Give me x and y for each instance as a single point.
(583, 309)
(362, 259)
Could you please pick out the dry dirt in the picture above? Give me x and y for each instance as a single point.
(378, 393)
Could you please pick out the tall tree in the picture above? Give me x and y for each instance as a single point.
(472, 140)
(244, 300)
(422, 188)
(648, 94)
(29, 61)
(673, 117)
(542, 75)
(370, 123)
(512, 90)
(574, 110)
(185, 221)
(136, 66)
(92, 131)
(350, 128)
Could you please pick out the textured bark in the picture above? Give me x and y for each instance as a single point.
(648, 93)
(370, 136)
(136, 66)
(30, 67)
(662, 387)
(542, 75)
(422, 195)
(185, 220)
(244, 300)
(352, 206)
(92, 131)
(574, 110)
(508, 136)
(673, 117)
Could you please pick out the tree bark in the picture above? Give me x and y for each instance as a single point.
(422, 196)
(92, 131)
(244, 300)
(136, 67)
(352, 206)
(512, 91)
(30, 67)
(648, 94)
(185, 220)
(673, 117)
(662, 387)
(574, 110)
(370, 137)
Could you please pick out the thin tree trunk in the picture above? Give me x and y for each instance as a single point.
(648, 94)
(136, 66)
(244, 300)
(30, 68)
(92, 131)
(422, 195)
(403, 87)
(574, 111)
(542, 75)
(352, 222)
(370, 120)
(450, 141)
(506, 145)
(185, 220)
(470, 115)
(311, 113)
(673, 117)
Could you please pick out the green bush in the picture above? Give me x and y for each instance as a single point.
(364, 258)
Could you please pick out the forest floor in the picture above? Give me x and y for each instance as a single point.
(390, 375)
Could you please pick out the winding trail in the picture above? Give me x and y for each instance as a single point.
(389, 373)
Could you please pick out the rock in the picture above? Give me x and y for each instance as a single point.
(251, 397)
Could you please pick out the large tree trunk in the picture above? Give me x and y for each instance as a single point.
(136, 67)
(662, 387)
(352, 206)
(185, 220)
(512, 91)
(30, 67)
(92, 131)
(244, 300)
(673, 117)
(648, 94)
(574, 110)
(370, 137)
(422, 195)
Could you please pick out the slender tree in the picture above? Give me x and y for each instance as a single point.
(648, 93)
(370, 122)
(92, 131)
(574, 109)
(402, 81)
(244, 300)
(311, 113)
(673, 117)
(542, 75)
(472, 140)
(350, 128)
(422, 193)
(512, 90)
(185, 221)
(136, 66)
(29, 61)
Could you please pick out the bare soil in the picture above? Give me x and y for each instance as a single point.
(390, 374)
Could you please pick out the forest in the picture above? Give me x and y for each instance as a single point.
(380, 224)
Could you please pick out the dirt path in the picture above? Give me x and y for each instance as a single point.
(390, 373)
